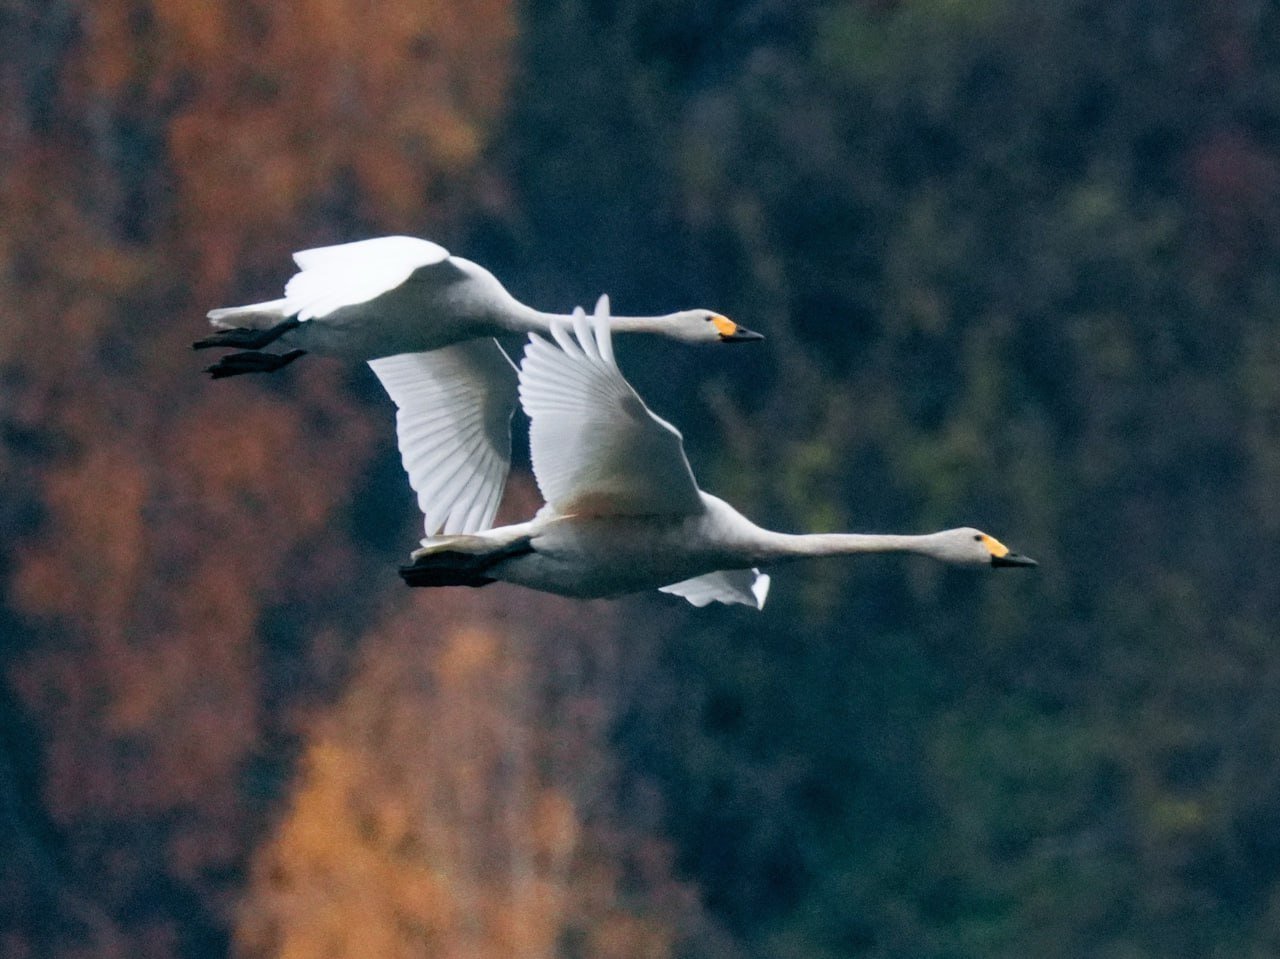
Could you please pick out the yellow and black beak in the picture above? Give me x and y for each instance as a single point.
(731, 332)
(1002, 556)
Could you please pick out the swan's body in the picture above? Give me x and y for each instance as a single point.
(399, 294)
(425, 322)
(624, 513)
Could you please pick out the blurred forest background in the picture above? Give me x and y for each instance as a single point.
(1019, 266)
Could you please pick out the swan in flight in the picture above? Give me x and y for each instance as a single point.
(623, 512)
(425, 321)
(399, 294)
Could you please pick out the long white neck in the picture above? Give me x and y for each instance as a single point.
(774, 547)
(519, 318)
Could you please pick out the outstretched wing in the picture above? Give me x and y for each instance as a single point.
(749, 587)
(332, 277)
(596, 448)
(453, 424)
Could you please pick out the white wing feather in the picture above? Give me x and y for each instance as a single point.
(596, 448)
(332, 277)
(453, 425)
(747, 587)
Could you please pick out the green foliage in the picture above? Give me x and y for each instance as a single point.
(1018, 265)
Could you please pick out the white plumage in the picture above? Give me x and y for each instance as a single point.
(425, 321)
(453, 427)
(623, 511)
(595, 445)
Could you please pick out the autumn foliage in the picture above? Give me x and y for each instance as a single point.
(462, 800)
(177, 545)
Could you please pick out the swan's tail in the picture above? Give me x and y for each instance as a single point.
(255, 316)
(462, 560)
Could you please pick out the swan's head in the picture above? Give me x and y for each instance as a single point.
(972, 547)
(704, 326)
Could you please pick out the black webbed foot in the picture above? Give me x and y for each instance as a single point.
(241, 338)
(459, 567)
(251, 361)
(419, 575)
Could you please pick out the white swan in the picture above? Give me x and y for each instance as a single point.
(623, 511)
(399, 294)
(425, 321)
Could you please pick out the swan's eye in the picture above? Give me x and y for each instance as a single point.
(977, 538)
